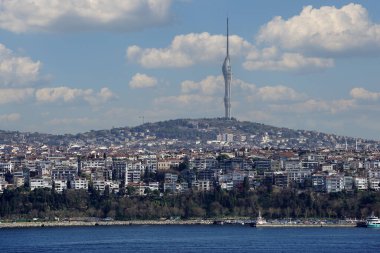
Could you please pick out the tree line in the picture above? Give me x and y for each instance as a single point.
(20, 203)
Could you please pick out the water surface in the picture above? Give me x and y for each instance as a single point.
(188, 238)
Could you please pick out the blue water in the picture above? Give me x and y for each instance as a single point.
(197, 239)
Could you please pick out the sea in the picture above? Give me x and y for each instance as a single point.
(188, 238)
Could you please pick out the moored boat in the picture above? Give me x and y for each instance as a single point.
(372, 222)
(260, 220)
(218, 222)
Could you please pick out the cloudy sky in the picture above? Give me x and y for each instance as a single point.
(69, 66)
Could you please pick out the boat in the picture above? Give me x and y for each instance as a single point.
(260, 220)
(218, 222)
(361, 224)
(372, 222)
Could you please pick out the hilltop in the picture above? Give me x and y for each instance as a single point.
(194, 132)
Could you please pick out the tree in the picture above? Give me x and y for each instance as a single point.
(131, 190)
(9, 177)
(68, 184)
(246, 186)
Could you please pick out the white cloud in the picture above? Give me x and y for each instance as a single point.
(214, 84)
(187, 50)
(142, 81)
(363, 94)
(313, 105)
(10, 117)
(278, 93)
(15, 95)
(190, 49)
(101, 97)
(105, 94)
(66, 94)
(327, 30)
(285, 62)
(184, 100)
(210, 85)
(56, 94)
(17, 71)
(21, 16)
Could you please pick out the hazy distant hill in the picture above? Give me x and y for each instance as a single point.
(189, 130)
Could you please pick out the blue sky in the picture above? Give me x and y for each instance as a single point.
(69, 66)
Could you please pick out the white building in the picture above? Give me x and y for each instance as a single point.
(334, 183)
(79, 183)
(374, 184)
(99, 185)
(5, 167)
(3, 184)
(40, 183)
(204, 185)
(225, 137)
(298, 175)
(170, 186)
(361, 183)
(60, 185)
(227, 185)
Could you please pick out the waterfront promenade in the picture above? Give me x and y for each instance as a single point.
(160, 222)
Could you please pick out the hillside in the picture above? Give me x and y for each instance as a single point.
(187, 132)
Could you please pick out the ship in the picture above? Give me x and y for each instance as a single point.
(372, 222)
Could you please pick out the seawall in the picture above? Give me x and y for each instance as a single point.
(155, 222)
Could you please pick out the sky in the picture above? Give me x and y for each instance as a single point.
(69, 66)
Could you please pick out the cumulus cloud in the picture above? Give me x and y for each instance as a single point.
(187, 50)
(313, 105)
(56, 94)
(328, 30)
(66, 94)
(142, 81)
(17, 71)
(214, 84)
(101, 97)
(15, 95)
(190, 49)
(363, 94)
(273, 59)
(278, 93)
(185, 100)
(210, 85)
(305, 42)
(21, 16)
(61, 93)
(10, 117)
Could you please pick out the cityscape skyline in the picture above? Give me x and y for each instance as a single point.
(69, 67)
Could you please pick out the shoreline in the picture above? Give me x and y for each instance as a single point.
(159, 222)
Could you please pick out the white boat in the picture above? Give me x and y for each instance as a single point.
(260, 220)
(372, 222)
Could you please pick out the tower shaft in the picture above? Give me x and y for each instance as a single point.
(227, 74)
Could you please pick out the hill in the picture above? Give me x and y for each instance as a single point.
(195, 132)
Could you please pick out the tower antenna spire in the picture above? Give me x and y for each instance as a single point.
(228, 46)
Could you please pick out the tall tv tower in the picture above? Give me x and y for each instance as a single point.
(227, 81)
